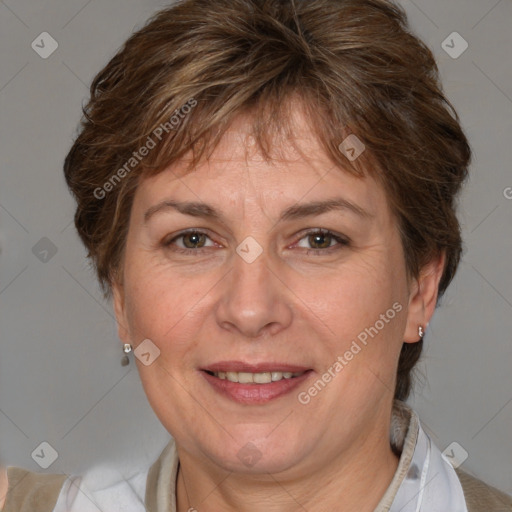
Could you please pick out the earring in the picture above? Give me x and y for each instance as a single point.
(125, 360)
(421, 332)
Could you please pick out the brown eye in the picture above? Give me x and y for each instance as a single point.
(320, 240)
(193, 240)
(189, 242)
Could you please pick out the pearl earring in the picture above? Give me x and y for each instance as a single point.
(125, 360)
(421, 332)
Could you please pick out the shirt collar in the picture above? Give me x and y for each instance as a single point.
(418, 459)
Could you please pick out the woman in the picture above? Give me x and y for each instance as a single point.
(267, 191)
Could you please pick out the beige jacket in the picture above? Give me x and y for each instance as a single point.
(33, 492)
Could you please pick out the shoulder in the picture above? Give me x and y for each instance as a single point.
(101, 488)
(104, 487)
(28, 491)
(481, 497)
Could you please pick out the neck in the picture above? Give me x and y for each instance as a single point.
(356, 480)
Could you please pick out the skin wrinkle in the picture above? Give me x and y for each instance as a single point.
(285, 306)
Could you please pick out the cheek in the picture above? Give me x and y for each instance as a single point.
(165, 307)
(353, 297)
(362, 309)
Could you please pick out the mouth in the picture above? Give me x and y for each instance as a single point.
(254, 384)
(255, 378)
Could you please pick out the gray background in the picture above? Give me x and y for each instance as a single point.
(60, 375)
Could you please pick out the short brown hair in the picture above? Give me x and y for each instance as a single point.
(356, 68)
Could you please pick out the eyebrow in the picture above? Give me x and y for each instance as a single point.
(298, 211)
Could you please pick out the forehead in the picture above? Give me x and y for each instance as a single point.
(237, 174)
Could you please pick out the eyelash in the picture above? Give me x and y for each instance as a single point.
(341, 242)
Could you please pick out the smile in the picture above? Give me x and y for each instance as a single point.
(255, 378)
(254, 388)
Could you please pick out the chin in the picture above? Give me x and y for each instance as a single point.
(256, 454)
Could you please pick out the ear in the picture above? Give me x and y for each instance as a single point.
(120, 312)
(423, 297)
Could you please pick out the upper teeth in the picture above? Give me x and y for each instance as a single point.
(255, 378)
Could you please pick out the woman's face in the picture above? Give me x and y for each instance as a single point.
(244, 266)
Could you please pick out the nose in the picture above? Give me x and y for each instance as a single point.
(254, 301)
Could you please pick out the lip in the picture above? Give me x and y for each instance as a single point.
(240, 366)
(254, 394)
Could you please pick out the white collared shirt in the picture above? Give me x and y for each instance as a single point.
(424, 481)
